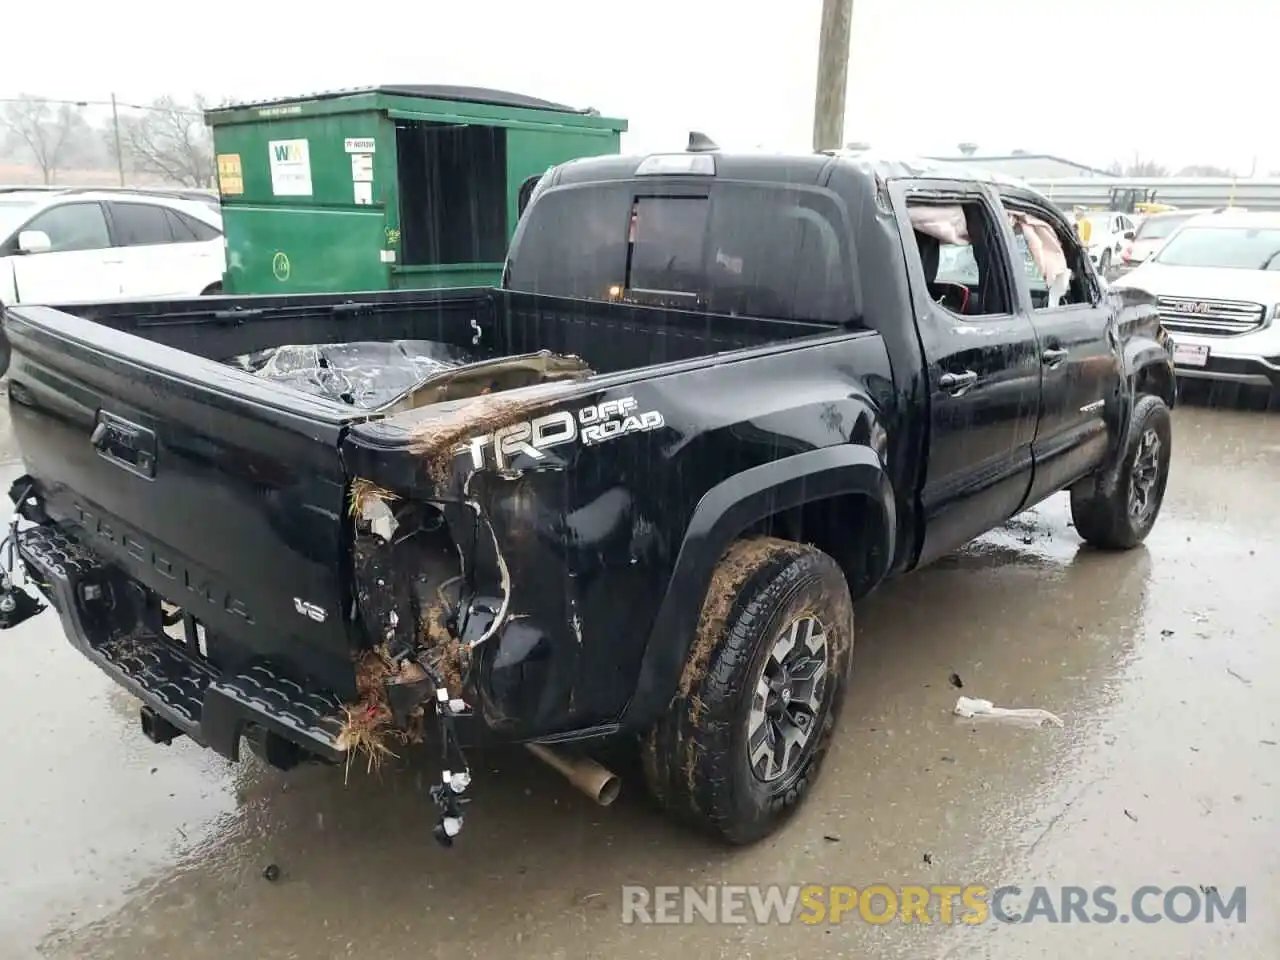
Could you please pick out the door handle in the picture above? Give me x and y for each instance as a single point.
(1053, 356)
(957, 383)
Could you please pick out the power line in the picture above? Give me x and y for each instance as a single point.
(112, 103)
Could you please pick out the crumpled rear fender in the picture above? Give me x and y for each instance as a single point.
(723, 514)
(581, 565)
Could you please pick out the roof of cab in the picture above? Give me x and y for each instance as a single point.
(804, 168)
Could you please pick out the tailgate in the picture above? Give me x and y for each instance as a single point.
(221, 492)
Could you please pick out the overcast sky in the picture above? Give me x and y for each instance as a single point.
(1093, 80)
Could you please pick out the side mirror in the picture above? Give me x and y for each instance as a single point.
(525, 193)
(34, 241)
(1129, 234)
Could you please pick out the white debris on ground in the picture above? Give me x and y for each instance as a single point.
(969, 707)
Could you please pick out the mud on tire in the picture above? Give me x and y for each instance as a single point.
(697, 760)
(1115, 510)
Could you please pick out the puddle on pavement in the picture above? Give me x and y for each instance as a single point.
(1149, 656)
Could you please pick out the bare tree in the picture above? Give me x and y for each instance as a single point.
(50, 134)
(1205, 170)
(169, 140)
(1145, 168)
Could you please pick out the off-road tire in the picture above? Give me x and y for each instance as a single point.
(1100, 504)
(695, 759)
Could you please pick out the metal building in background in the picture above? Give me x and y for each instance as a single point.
(1070, 184)
(1187, 193)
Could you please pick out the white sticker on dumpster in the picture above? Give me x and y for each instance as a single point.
(363, 193)
(290, 168)
(361, 167)
(359, 145)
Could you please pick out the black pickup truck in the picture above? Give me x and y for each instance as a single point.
(631, 495)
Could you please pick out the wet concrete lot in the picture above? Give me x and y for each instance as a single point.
(1164, 664)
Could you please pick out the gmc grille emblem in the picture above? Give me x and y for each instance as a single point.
(1191, 306)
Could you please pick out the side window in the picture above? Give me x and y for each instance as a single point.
(140, 224)
(1056, 264)
(187, 229)
(961, 256)
(73, 226)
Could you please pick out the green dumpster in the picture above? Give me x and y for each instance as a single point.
(387, 187)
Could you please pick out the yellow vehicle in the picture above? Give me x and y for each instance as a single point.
(1137, 200)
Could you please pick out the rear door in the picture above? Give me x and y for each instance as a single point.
(1079, 356)
(982, 363)
(160, 257)
(79, 265)
(202, 247)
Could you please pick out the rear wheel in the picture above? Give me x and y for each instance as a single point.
(1117, 510)
(751, 723)
(212, 290)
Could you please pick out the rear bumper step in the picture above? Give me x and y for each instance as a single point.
(213, 709)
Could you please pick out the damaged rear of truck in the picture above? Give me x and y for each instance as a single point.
(633, 492)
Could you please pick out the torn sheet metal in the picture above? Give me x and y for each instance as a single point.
(484, 377)
(390, 377)
(364, 374)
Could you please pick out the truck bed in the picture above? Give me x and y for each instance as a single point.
(172, 477)
(611, 337)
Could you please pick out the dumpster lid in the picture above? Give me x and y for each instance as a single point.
(500, 98)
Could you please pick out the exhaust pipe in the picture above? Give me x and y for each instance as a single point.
(597, 782)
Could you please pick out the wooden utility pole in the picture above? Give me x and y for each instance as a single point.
(115, 124)
(833, 74)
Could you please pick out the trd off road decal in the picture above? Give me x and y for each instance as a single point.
(591, 425)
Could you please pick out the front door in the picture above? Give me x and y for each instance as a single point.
(79, 264)
(982, 363)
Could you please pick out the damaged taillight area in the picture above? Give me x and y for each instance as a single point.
(494, 548)
(409, 584)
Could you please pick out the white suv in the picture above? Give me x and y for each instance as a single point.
(60, 246)
(1216, 281)
(1106, 237)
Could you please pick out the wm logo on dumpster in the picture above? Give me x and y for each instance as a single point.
(287, 152)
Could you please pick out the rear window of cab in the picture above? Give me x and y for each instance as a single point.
(762, 250)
